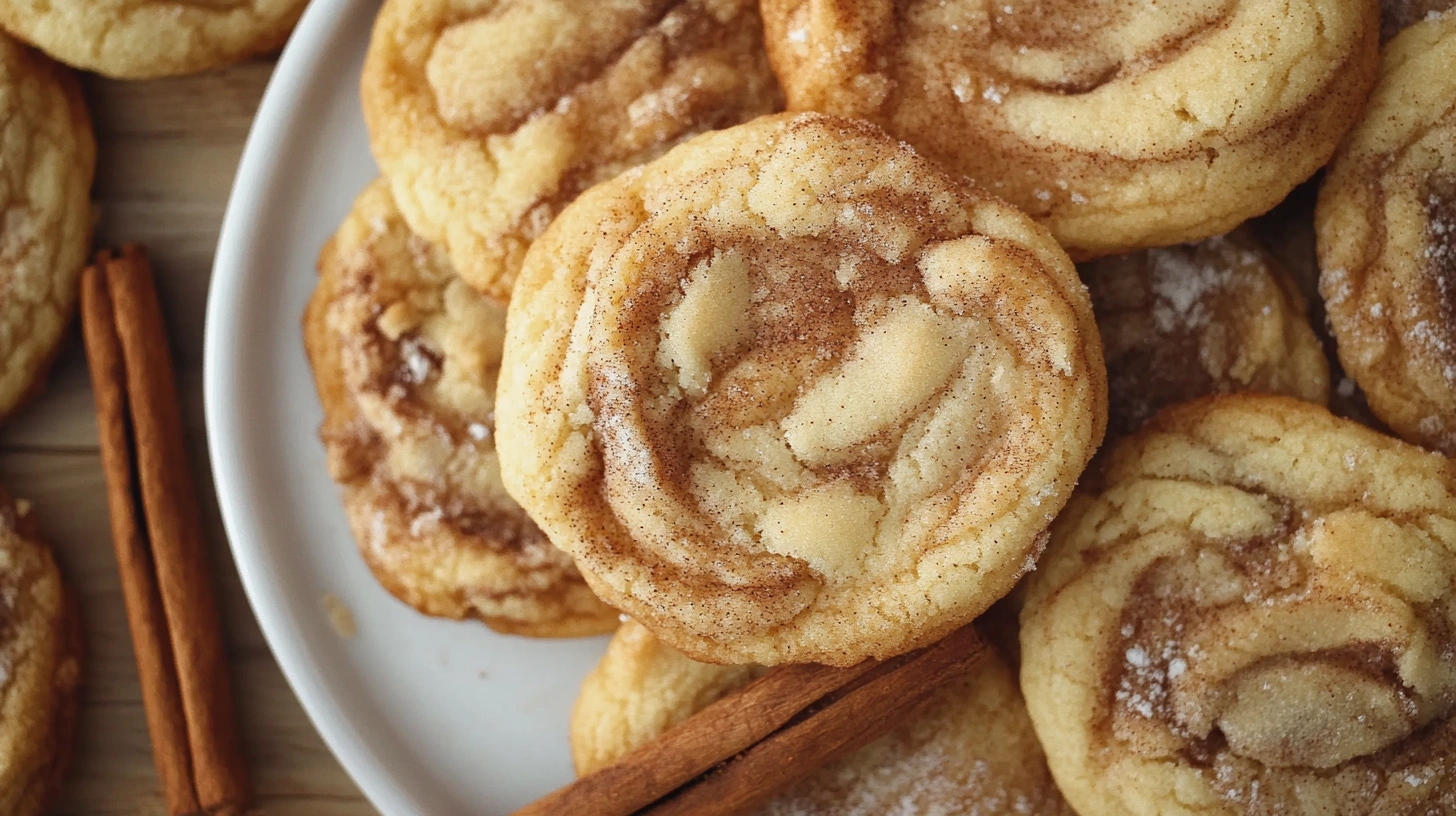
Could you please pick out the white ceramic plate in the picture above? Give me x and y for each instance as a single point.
(430, 717)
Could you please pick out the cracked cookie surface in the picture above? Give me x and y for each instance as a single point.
(1118, 125)
(794, 393)
(1256, 614)
(144, 39)
(40, 654)
(405, 357)
(489, 116)
(47, 156)
(1386, 235)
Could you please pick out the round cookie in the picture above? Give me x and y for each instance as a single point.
(146, 39)
(40, 651)
(1255, 615)
(1117, 125)
(792, 393)
(49, 154)
(405, 357)
(968, 751)
(488, 116)
(1186, 321)
(1386, 235)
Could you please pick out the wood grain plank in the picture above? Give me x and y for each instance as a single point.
(167, 153)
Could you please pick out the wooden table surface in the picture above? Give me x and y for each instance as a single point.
(167, 153)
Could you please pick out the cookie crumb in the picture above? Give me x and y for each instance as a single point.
(341, 618)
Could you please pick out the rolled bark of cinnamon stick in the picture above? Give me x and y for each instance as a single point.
(742, 750)
(153, 475)
(145, 617)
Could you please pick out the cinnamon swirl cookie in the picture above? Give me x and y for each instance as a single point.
(144, 39)
(40, 652)
(792, 393)
(488, 116)
(405, 356)
(1386, 228)
(1256, 615)
(48, 155)
(1117, 125)
(968, 751)
(1208, 318)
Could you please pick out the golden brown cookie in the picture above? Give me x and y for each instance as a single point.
(1117, 125)
(792, 393)
(1186, 321)
(488, 116)
(40, 666)
(1386, 225)
(144, 39)
(968, 751)
(405, 358)
(1256, 615)
(48, 154)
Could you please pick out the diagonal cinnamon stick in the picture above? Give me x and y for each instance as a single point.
(751, 745)
(180, 652)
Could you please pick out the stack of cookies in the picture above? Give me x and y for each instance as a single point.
(807, 331)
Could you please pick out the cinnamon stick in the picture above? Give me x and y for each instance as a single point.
(151, 476)
(751, 745)
(160, 698)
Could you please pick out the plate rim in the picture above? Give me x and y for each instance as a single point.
(257, 174)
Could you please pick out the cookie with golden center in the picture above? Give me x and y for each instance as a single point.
(967, 751)
(405, 357)
(488, 116)
(48, 153)
(793, 393)
(1186, 321)
(1255, 615)
(40, 654)
(145, 39)
(1386, 232)
(1118, 125)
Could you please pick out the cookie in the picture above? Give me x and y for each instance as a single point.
(405, 357)
(967, 751)
(49, 154)
(40, 651)
(793, 393)
(1186, 321)
(1255, 615)
(1386, 234)
(488, 116)
(1119, 126)
(145, 39)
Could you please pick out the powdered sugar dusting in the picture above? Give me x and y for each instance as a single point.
(1182, 287)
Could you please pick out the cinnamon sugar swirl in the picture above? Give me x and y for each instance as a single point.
(968, 751)
(1214, 317)
(792, 393)
(405, 356)
(1118, 125)
(1255, 615)
(1386, 227)
(488, 116)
